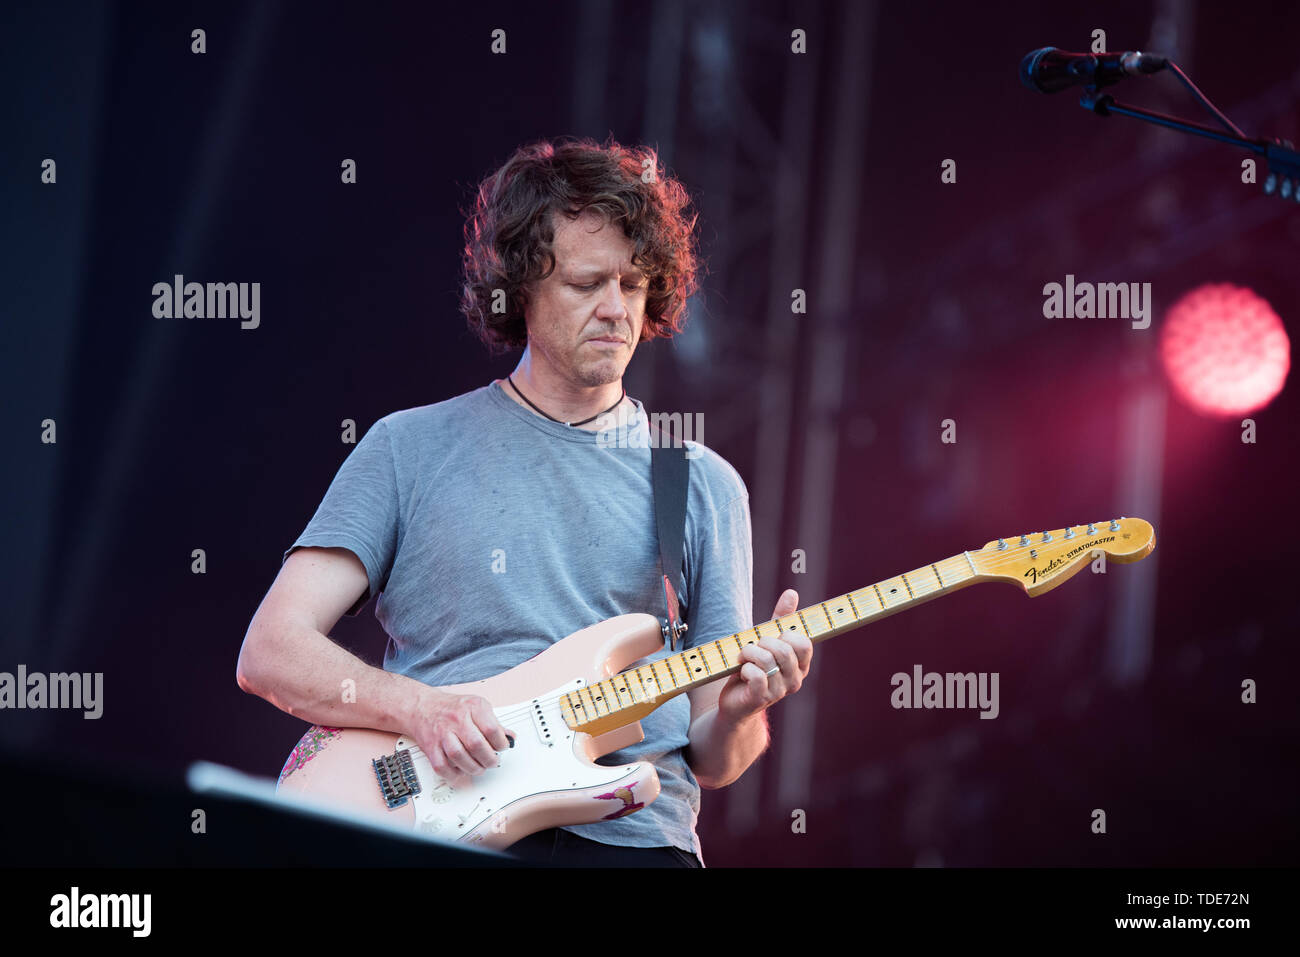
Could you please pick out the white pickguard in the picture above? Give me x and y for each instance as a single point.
(543, 760)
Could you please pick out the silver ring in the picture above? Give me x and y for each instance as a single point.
(773, 670)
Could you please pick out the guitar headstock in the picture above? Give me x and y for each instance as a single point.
(1039, 561)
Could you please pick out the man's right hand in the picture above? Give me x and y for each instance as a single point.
(459, 734)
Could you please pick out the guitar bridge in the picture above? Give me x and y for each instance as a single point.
(398, 781)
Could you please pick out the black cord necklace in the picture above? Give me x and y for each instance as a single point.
(553, 419)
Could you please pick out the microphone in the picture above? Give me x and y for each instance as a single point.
(1050, 70)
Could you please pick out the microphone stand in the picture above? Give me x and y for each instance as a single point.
(1281, 157)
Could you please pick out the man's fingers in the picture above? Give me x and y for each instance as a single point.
(782, 654)
(479, 748)
(803, 649)
(444, 768)
(787, 603)
(754, 676)
(761, 656)
(488, 725)
(458, 757)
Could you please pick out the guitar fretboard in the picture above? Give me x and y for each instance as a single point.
(631, 694)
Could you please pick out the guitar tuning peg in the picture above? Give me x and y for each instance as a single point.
(1114, 525)
(1092, 529)
(1069, 532)
(1024, 539)
(1001, 545)
(1047, 536)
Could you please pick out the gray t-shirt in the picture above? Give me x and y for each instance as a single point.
(493, 533)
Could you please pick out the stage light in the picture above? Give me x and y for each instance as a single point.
(1225, 350)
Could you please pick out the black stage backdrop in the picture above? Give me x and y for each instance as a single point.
(821, 171)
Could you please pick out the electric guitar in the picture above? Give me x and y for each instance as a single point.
(574, 703)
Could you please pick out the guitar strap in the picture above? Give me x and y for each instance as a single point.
(670, 472)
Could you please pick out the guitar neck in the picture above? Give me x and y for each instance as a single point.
(631, 694)
(1036, 563)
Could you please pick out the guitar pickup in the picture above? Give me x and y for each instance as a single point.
(542, 723)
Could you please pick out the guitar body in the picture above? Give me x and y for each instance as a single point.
(547, 779)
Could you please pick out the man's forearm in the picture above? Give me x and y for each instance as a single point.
(304, 673)
(722, 749)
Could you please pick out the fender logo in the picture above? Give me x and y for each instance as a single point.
(1056, 564)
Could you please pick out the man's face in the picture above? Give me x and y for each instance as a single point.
(584, 319)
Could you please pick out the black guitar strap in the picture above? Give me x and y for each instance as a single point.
(670, 472)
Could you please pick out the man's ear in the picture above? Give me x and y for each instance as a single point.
(525, 306)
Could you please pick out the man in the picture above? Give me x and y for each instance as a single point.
(499, 521)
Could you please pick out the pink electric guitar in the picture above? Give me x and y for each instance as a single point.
(573, 703)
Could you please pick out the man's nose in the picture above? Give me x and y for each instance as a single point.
(612, 305)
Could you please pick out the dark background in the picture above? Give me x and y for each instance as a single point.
(818, 172)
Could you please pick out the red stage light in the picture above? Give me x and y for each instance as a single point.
(1225, 350)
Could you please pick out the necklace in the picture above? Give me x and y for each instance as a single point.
(553, 419)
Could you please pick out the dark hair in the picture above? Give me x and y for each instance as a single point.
(509, 231)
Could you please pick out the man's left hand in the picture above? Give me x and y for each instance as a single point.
(773, 668)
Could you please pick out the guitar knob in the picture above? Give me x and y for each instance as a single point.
(430, 823)
(441, 794)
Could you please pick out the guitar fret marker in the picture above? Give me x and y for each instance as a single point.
(687, 667)
(704, 661)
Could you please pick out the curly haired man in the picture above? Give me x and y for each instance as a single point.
(575, 252)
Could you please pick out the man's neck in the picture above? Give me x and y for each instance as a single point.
(566, 403)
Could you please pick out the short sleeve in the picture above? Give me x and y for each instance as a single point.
(720, 567)
(360, 511)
